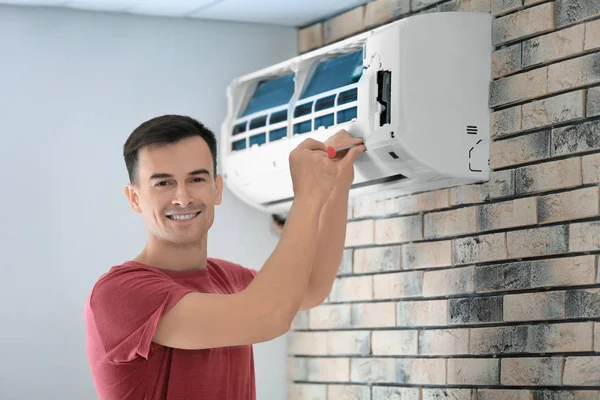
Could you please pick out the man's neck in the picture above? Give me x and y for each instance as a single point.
(166, 255)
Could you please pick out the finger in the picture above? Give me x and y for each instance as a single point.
(353, 154)
(311, 144)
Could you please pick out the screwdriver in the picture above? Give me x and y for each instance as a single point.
(332, 151)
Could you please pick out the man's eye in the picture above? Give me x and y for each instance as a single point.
(162, 183)
(198, 179)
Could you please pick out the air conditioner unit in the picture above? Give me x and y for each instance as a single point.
(416, 90)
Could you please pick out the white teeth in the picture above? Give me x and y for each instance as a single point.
(182, 217)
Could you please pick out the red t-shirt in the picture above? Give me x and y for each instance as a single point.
(121, 316)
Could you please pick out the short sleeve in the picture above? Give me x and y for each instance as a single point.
(126, 305)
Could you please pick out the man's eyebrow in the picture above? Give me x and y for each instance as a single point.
(162, 175)
(202, 171)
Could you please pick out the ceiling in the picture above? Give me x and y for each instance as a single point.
(296, 13)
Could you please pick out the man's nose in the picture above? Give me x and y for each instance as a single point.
(182, 197)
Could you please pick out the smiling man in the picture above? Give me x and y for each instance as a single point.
(173, 323)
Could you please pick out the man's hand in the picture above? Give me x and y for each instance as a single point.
(345, 159)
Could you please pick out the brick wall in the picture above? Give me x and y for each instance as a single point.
(485, 292)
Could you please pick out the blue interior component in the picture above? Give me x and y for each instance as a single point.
(258, 139)
(303, 109)
(303, 127)
(277, 134)
(258, 122)
(346, 115)
(348, 96)
(278, 116)
(239, 128)
(324, 120)
(325, 103)
(335, 73)
(272, 93)
(238, 145)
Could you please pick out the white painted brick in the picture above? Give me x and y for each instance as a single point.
(582, 371)
(448, 394)
(509, 214)
(348, 392)
(397, 230)
(499, 394)
(330, 316)
(449, 281)
(451, 223)
(395, 343)
(427, 255)
(534, 306)
(296, 369)
(520, 150)
(544, 371)
(353, 288)
(395, 393)
(328, 369)
(506, 122)
(468, 194)
(421, 371)
(593, 101)
(554, 175)
(308, 343)
(437, 342)
(298, 391)
(310, 38)
(395, 286)
(377, 259)
(501, 184)
(300, 320)
(481, 248)
(360, 233)
(591, 168)
(373, 370)
(373, 315)
(584, 236)
(424, 202)
(347, 343)
(524, 23)
(592, 35)
(553, 46)
(574, 73)
(422, 313)
(379, 12)
(344, 25)
(568, 206)
(571, 11)
(502, 7)
(473, 371)
(553, 110)
(483, 6)
(506, 60)
(524, 86)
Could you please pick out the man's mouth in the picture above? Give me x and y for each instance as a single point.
(183, 217)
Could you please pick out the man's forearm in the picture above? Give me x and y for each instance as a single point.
(330, 246)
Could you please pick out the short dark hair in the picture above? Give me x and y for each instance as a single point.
(163, 130)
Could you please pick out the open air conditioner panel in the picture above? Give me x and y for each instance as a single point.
(416, 90)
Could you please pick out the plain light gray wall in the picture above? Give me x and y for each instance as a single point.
(72, 87)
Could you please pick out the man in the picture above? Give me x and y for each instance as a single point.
(175, 324)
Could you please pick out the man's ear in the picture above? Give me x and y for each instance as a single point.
(133, 198)
(219, 186)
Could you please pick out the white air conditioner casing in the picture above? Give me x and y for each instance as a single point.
(437, 135)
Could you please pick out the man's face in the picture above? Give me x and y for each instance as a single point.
(176, 190)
